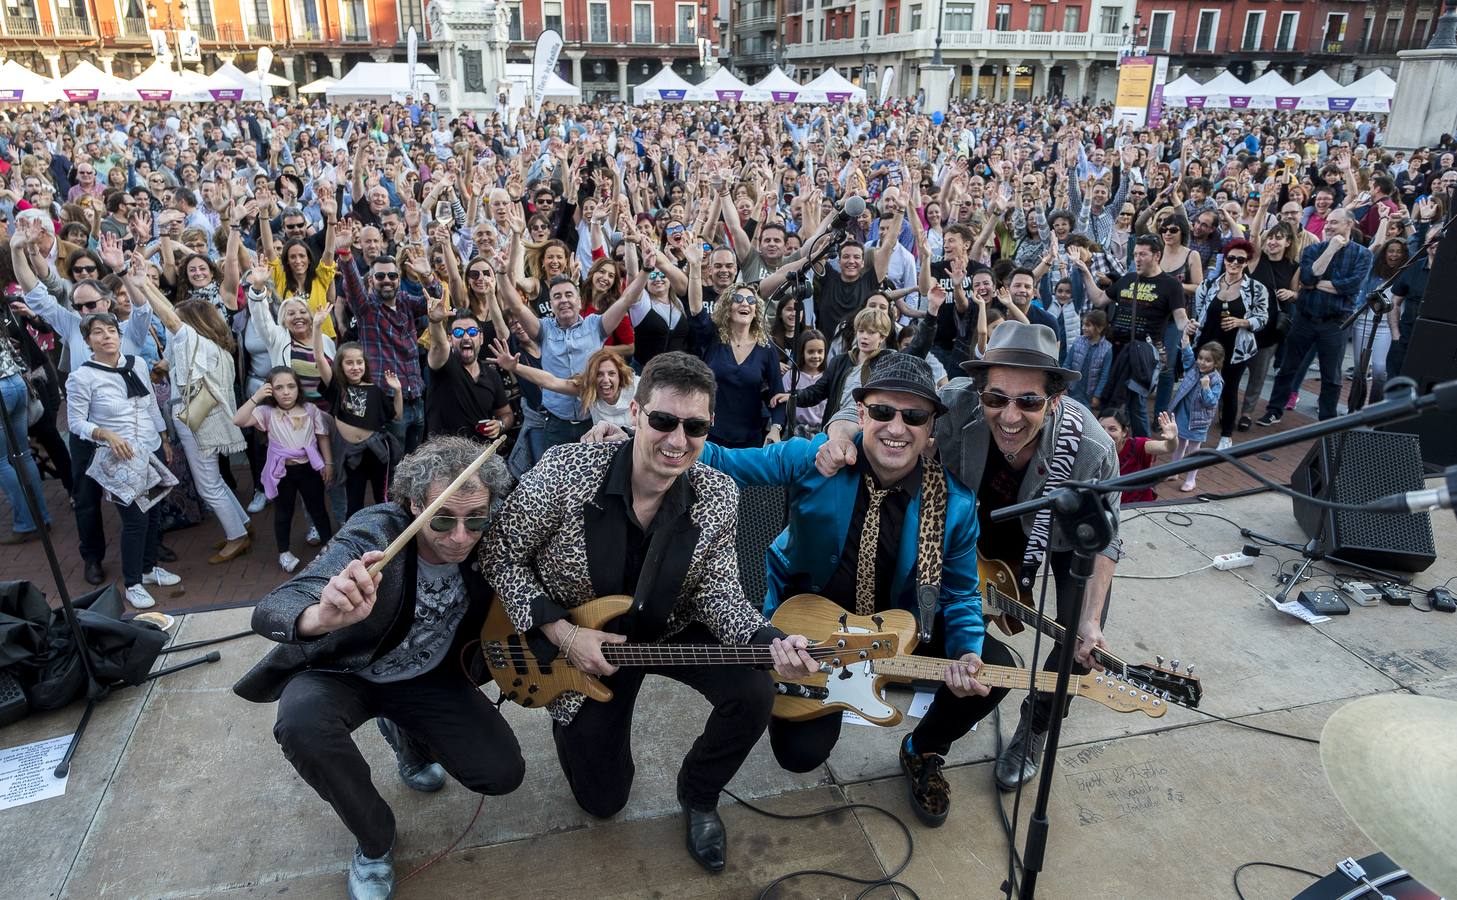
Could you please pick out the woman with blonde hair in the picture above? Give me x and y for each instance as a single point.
(605, 386)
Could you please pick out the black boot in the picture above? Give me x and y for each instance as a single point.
(416, 770)
(707, 841)
(1012, 769)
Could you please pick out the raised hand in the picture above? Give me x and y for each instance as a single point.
(111, 252)
(504, 358)
(392, 381)
(348, 597)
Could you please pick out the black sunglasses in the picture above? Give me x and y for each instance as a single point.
(882, 412)
(446, 524)
(1237, 259)
(83, 270)
(386, 276)
(479, 273)
(89, 304)
(1170, 229)
(1026, 402)
(667, 422)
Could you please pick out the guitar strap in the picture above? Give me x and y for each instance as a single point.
(928, 550)
(1059, 469)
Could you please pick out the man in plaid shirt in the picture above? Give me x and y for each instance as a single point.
(386, 312)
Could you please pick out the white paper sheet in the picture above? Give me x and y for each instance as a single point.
(1298, 610)
(25, 772)
(920, 703)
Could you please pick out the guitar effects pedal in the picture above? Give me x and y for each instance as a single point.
(1324, 602)
(1395, 594)
(1363, 594)
(1441, 599)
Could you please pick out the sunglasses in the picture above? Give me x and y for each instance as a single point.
(479, 273)
(83, 270)
(656, 275)
(472, 330)
(1241, 260)
(1170, 229)
(446, 524)
(89, 304)
(882, 412)
(745, 299)
(386, 276)
(673, 229)
(1026, 402)
(667, 422)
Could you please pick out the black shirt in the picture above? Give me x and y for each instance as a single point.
(1000, 486)
(616, 494)
(1142, 306)
(836, 299)
(361, 405)
(948, 334)
(841, 586)
(455, 401)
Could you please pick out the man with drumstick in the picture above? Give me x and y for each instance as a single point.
(354, 647)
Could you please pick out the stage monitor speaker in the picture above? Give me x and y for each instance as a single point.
(761, 517)
(1440, 300)
(1358, 467)
(1431, 357)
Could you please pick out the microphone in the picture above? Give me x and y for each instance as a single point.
(1441, 497)
(850, 210)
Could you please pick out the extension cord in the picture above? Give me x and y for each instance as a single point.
(1227, 561)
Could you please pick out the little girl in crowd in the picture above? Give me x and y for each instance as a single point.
(299, 457)
(364, 449)
(1090, 354)
(1196, 400)
(1136, 453)
(810, 352)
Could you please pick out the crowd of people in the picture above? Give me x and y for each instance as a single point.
(319, 288)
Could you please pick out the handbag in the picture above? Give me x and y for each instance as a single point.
(197, 398)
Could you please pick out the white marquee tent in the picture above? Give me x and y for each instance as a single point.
(1373, 93)
(374, 80)
(831, 87)
(1176, 91)
(86, 82)
(721, 85)
(277, 81)
(558, 89)
(21, 85)
(319, 86)
(666, 85)
(231, 83)
(1265, 92)
(161, 82)
(1319, 91)
(776, 87)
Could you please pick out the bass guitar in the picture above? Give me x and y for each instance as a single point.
(860, 686)
(523, 679)
(1002, 602)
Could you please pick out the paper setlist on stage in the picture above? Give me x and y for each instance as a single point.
(25, 772)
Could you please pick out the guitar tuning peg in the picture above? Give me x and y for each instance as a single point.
(1189, 669)
(1174, 664)
(879, 622)
(1159, 660)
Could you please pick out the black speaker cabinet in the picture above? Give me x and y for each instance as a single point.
(1431, 357)
(1358, 467)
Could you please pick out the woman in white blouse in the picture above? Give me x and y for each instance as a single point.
(109, 402)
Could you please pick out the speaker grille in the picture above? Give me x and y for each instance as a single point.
(761, 518)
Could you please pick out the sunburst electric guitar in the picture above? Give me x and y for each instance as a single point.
(526, 681)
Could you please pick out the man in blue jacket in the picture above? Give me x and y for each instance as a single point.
(922, 526)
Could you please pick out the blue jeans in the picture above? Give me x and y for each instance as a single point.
(410, 427)
(1329, 343)
(14, 402)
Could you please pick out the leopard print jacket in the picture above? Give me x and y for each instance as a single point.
(537, 547)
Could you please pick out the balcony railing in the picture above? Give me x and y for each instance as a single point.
(19, 24)
(356, 34)
(69, 24)
(261, 32)
(756, 22)
(134, 26)
(623, 35)
(207, 31)
(990, 42)
(306, 35)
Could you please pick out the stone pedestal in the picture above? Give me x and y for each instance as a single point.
(1425, 106)
(936, 82)
(470, 37)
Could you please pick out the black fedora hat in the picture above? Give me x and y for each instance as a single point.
(904, 374)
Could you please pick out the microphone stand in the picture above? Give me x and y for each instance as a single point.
(1082, 512)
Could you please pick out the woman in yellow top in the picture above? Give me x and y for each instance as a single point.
(299, 274)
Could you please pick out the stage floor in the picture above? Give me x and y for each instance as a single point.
(180, 791)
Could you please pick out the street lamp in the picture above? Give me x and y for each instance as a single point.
(864, 54)
(940, 15)
(1445, 37)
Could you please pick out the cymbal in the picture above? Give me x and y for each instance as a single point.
(1390, 760)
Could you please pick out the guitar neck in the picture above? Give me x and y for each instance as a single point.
(925, 668)
(1052, 628)
(701, 654)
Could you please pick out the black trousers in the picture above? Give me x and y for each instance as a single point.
(463, 731)
(596, 749)
(805, 745)
(141, 535)
(369, 473)
(86, 502)
(300, 480)
(1061, 563)
(1234, 373)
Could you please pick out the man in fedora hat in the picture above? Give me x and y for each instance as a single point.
(890, 530)
(1011, 434)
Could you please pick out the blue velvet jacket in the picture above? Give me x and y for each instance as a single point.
(805, 554)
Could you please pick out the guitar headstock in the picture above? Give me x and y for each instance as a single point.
(852, 647)
(1120, 696)
(1167, 682)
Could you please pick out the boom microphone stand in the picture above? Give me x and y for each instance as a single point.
(1083, 515)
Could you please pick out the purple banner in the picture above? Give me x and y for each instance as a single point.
(671, 93)
(1239, 102)
(147, 94)
(1195, 102)
(226, 93)
(1286, 102)
(784, 96)
(730, 95)
(1156, 107)
(82, 96)
(12, 95)
(837, 96)
(1341, 104)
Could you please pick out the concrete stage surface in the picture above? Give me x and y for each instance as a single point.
(180, 791)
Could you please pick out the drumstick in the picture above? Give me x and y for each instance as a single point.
(414, 527)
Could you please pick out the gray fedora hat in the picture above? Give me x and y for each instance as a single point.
(1019, 345)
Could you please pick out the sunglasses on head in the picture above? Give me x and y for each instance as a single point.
(471, 330)
(1026, 402)
(386, 276)
(882, 412)
(667, 422)
(446, 524)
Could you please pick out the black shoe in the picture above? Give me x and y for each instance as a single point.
(94, 573)
(1012, 769)
(1244, 423)
(930, 793)
(416, 770)
(1270, 418)
(706, 839)
(166, 554)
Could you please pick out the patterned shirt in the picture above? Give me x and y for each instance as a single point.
(440, 604)
(1347, 271)
(388, 333)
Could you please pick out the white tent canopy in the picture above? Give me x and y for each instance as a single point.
(391, 80)
(558, 89)
(272, 80)
(1316, 91)
(776, 87)
(831, 87)
(665, 85)
(721, 85)
(228, 80)
(1265, 92)
(1181, 87)
(21, 85)
(86, 82)
(319, 86)
(1373, 93)
(161, 82)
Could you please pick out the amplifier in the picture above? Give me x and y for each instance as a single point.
(13, 705)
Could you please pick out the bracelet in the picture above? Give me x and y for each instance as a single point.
(567, 647)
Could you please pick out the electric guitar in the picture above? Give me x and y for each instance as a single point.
(1004, 603)
(860, 686)
(525, 680)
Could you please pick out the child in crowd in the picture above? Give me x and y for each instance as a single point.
(810, 353)
(299, 461)
(1196, 400)
(1136, 453)
(1090, 354)
(365, 449)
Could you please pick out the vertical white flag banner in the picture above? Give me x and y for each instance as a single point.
(412, 56)
(161, 45)
(543, 64)
(887, 83)
(265, 62)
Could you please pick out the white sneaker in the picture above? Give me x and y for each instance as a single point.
(1225, 443)
(161, 576)
(288, 561)
(312, 538)
(255, 506)
(137, 596)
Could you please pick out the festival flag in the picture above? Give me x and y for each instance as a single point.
(543, 64)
